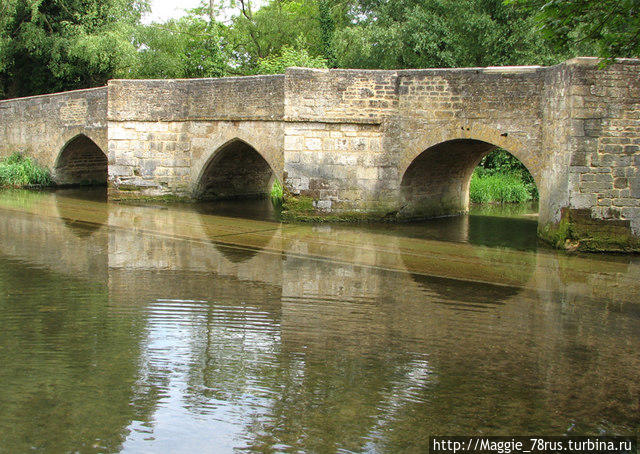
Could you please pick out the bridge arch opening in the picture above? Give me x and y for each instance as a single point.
(81, 163)
(236, 170)
(437, 181)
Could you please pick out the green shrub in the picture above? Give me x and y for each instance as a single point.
(19, 171)
(488, 187)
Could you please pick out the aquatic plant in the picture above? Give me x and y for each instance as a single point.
(498, 187)
(18, 170)
(277, 194)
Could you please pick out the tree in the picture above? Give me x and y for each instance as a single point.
(56, 45)
(438, 33)
(180, 48)
(611, 28)
(263, 33)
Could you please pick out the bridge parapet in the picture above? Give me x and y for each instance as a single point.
(251, 98)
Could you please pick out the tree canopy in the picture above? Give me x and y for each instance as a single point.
(54, 45)
(610, 28)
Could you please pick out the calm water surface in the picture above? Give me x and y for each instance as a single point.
(172, 329)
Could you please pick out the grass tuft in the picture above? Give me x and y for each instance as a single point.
(17, 171)
(490, 187)
(277, 194)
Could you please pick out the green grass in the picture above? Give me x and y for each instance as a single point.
(277, 194)
(17, 171)
(500, 187)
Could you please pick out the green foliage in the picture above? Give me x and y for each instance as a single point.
(289, 57)
(19, 171)
(277, 194)
(501, 177)
(610, 28)
(57, 45)
(253, 36)
(183, 48)
(498, 187)
(327, 29)
(502, 162)
(438, 33)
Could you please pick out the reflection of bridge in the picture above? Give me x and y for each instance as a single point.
(383, 142)
(335, 297)
(329, 260)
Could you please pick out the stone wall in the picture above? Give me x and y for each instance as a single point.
(156, 158)
(164, 133)
(41, 126)
(604, 175)
(404, 143)
(351, 135)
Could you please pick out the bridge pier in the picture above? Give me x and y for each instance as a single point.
(360, 144)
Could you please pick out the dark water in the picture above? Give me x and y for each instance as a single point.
(171, 329)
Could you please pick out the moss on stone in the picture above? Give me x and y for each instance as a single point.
(318, 217)
(301, 209)
(577, 230)
(136, 198)
(297, 204)
(556, 234)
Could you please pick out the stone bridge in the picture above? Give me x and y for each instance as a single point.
(350, 144)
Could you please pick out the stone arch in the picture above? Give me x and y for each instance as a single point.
(236, 169)
(80, 162)
(427, 139)
(436, 170)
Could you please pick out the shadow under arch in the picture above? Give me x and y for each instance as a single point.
(435, 181)
(236, 170)
(81, 163)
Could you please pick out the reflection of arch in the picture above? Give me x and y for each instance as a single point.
(236, 254)
(494, 231)
(465, 295)
(235, 170)
(436, 180)
(248, 246)
(90, 205)
(485, 278)
(81, 162)
(484, 229)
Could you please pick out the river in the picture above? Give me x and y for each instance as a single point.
(214, 328)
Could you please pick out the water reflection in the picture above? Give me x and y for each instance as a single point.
(323, 338)
(74, 210)
(64, 388)
(261, 238)
(496, 226)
